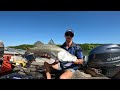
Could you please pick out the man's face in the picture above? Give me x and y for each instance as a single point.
(69, 36)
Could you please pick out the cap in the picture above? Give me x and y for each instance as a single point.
(70, 30)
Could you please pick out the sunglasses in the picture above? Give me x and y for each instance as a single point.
(69, 34)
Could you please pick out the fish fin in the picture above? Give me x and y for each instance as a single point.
(38, 44)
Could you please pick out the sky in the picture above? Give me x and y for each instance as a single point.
(27, 27)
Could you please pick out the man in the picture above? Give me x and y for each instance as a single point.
(69, 68)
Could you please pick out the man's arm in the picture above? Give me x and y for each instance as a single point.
(79, 55)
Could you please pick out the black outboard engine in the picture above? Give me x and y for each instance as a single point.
(106, 57)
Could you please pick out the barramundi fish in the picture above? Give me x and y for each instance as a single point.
(54, 51)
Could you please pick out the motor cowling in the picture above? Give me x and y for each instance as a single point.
(107, 55)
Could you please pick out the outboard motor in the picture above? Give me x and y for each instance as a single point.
(107, 58)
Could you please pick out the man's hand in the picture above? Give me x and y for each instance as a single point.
(79, 61)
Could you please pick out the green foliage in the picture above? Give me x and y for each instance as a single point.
(89, 46)
(24, 46)
(85, 46)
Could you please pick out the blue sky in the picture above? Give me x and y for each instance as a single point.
(27, 27)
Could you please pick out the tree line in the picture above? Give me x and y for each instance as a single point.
(85, 46)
